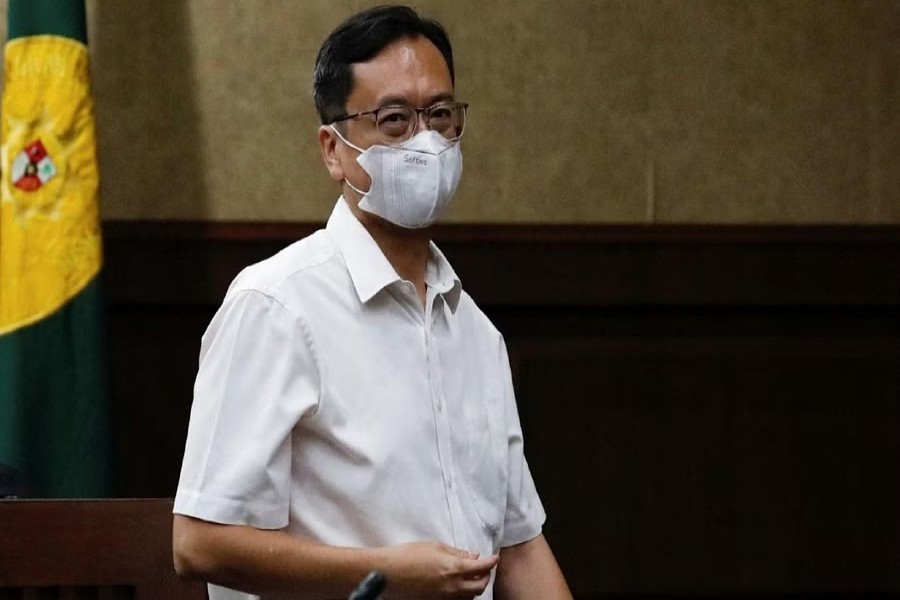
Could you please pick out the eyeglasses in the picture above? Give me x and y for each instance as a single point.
(396, 124)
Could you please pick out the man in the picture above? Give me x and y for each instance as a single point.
(353, 409)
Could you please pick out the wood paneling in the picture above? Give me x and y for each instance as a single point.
(90, 549)
(708, 410)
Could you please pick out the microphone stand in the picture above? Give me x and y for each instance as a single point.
(371, 587)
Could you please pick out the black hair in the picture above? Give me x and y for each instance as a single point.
(360, 38)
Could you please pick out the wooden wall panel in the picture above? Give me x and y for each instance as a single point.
(103, 549)
(712, 465)
(708, 411)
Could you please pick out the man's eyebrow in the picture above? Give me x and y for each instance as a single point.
(443, 97)
(401, 101)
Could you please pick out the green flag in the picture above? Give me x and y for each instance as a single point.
(54, 421)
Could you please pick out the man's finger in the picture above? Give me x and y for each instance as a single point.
(479, 575)
(460, 552)
(477, 585)
(473, 566)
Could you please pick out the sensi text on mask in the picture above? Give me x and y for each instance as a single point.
(412, 158)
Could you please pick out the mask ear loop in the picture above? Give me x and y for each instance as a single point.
(345, 140)
(354, 188)
(355, 147)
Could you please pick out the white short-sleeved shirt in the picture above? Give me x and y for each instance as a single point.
(330, 404)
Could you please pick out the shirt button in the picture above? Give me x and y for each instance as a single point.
(449, 483)
(440, 405)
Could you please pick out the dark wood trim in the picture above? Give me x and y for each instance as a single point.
(549, 265)
(91, 543)
(523, 233)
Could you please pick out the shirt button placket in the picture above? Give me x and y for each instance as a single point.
(441, 418)
(441, 425)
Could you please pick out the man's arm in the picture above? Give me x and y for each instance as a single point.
(274, 563)
(528, 571)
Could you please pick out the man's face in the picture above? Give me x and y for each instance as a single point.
(409, 72)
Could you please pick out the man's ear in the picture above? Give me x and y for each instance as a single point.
(328, 143)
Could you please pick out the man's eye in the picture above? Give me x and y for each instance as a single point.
(440, 113)
(393, 118)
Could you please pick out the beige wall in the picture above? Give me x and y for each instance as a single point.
(665, 111)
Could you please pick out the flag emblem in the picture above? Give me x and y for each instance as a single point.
(32, 167)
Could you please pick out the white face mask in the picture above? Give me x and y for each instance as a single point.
(412, 184)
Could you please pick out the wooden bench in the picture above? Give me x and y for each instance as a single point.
(104, 549)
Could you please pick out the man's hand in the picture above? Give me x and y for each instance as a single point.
(435, 570)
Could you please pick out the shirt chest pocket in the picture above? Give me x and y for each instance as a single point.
(483, 453)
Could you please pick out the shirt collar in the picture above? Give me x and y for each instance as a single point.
(371, 272)
(441, 276)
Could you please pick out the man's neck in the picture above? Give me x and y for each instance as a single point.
(406, 249)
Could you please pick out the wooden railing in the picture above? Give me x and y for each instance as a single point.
(104, 549)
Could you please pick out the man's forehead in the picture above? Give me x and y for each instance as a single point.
(407, 71)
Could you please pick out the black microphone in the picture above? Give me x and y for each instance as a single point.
(371, 587)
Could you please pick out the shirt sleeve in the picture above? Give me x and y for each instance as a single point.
(525, 514)
(257, 378)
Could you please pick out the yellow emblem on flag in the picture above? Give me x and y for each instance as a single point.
(49, 210)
